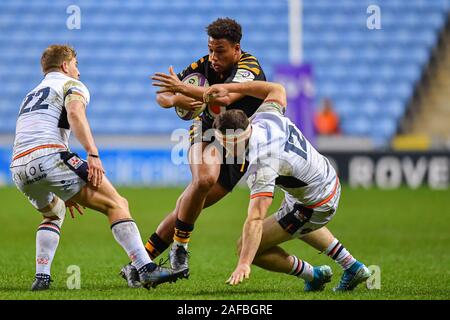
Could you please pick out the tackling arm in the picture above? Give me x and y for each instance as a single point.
(258, 89)
(251, 238)
(188, 93)
(170, 99)
(197, 93)
(253, 226)
(170, 84)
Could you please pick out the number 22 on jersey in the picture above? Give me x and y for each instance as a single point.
(37, 97)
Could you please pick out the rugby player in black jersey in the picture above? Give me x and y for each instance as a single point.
(212, 177)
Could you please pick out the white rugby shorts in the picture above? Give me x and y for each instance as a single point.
(298, 219)
(40, 178)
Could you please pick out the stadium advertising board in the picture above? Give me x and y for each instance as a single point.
(392, 170)
(154, 167)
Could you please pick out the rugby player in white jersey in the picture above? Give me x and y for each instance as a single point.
(279, 155)
(51, 176)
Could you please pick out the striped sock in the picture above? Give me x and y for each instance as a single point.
(155, 246)
(182, 233)
(47, 240)
(301, 269)
(339, 254)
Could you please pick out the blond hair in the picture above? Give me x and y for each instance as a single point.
(54, 56)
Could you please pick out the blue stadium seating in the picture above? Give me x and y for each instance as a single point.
(369, 74)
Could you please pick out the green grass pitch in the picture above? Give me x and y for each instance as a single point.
(405, 232)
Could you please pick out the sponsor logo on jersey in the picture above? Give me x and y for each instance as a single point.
(75, 162)
(243, 76)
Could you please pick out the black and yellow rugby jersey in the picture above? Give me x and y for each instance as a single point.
(247, 69)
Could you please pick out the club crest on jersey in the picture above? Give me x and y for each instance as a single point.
(75, 162)
(243, 76)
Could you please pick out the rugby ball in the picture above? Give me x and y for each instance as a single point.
(196, 79)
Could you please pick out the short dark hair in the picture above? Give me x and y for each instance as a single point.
(225, 28)
(231, 119)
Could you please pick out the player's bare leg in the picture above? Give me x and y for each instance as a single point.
(104, 199)
(273, 258)
(319, 239)
(355, 272)
(107, 200)
(204, 162)
(165, 230)
(47, 240)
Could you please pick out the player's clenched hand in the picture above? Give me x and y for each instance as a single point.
(71, 205)
(168, 82)
(214, 92)
(241, 272)
(96, 171)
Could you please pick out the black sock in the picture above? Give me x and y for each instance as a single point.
(155, 246)
(182, 232)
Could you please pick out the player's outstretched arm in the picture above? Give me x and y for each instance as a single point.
(76, 115)
(187, 95)
(251, 238)
(170, 83)
(258, 89)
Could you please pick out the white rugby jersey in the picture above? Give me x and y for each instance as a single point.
(279, 154)
(42, 117)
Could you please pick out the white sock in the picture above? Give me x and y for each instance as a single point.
(47, 240)
(127, 235)
(47, 237)
(177, 243)
(339, 254)
(302, 269)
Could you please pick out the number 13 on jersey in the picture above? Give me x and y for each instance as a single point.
(296, 143)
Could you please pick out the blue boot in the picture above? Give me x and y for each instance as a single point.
(353, 276)
(322, 275)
